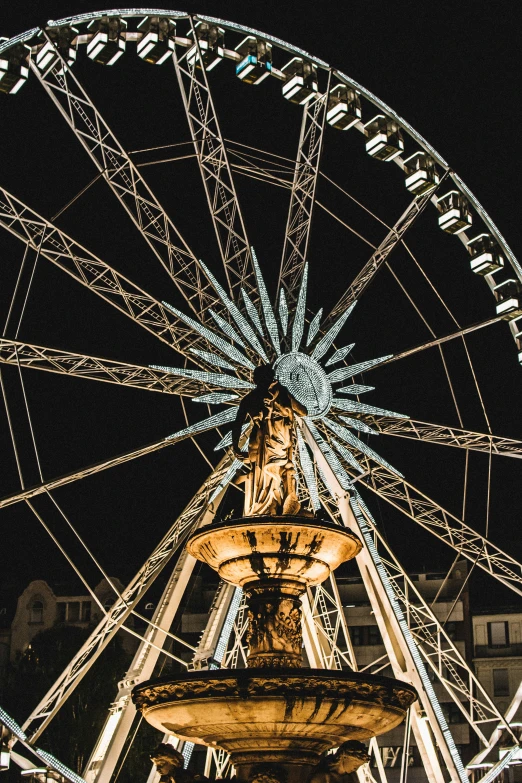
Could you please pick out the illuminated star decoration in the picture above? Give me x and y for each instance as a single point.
(243, 339)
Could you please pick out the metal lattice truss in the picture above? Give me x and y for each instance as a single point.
(381, 254)
(215, 172)
(123, 177)
(302, 198)
(446, 526)
(79, 365)
(447, 436)
(196, 513)
(86, 268)
(331, 473)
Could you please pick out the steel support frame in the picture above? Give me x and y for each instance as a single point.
(55, 245)
(197, 513)
(302, 196)
(118, 170)
(215, 172)
(446, 436)
(379, 257)
(446, 526)
(122, 711)
(399, 654)
(39, 357)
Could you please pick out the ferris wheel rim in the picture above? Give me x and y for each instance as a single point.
(343, 77)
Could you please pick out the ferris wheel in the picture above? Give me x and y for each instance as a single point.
(297, 302)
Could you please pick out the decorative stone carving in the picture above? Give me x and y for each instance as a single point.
(274, 635)
(267, 773)
(170, 766)
(341, 766)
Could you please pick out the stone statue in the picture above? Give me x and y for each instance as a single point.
(270, 484)
(341, 766)
(267, 773)
(169, 764)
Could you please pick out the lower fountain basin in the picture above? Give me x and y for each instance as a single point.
(288, 716)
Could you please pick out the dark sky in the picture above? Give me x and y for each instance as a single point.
(453, 71)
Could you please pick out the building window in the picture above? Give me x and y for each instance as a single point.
(451, 630)
(149, 607)
(454, 713)
(365, 635)
(73, 611)
(374, 636)
(356, 635)
(500, 682)
(498, 634)
(36, 614)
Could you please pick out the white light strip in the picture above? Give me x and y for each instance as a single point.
(211, 358)
(314, 326)
(330, 456)
(357, 424)
(352, 406)
(244, 327)
(271, 323)
(227, 328)
(324, 344)
(339, 354)
(299, 317)
(252, 312)
(216, 398)
(352, 440)
(307, 466)
(57, 765)
(357, 506)
(347, 455)
(283, 311)
(355, 388)
(215, 378)
(500, 765)
(346, 372)
(226, 440)
(224, 636)
(207, 424)
(227, 478)
(213, 338)
(12, 725)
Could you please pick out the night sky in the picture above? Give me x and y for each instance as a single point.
(453, 71)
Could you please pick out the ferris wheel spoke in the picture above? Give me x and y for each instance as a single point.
(116, 167)
(302, 196)
(446, 436)
(79, 365)
(196, 513)
(394, 236)
(442, 523)
(216, 171)
(96, 275)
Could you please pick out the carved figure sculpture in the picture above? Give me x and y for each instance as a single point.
(169, 764)
(341, 766)
(270, 484)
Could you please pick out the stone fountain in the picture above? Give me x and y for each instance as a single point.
(274, 714)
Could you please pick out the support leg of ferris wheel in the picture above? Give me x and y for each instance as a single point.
(122, 711)
(406, 665)
(199, 511)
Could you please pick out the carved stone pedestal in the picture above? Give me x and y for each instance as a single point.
(274, 559)
(274, 715)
